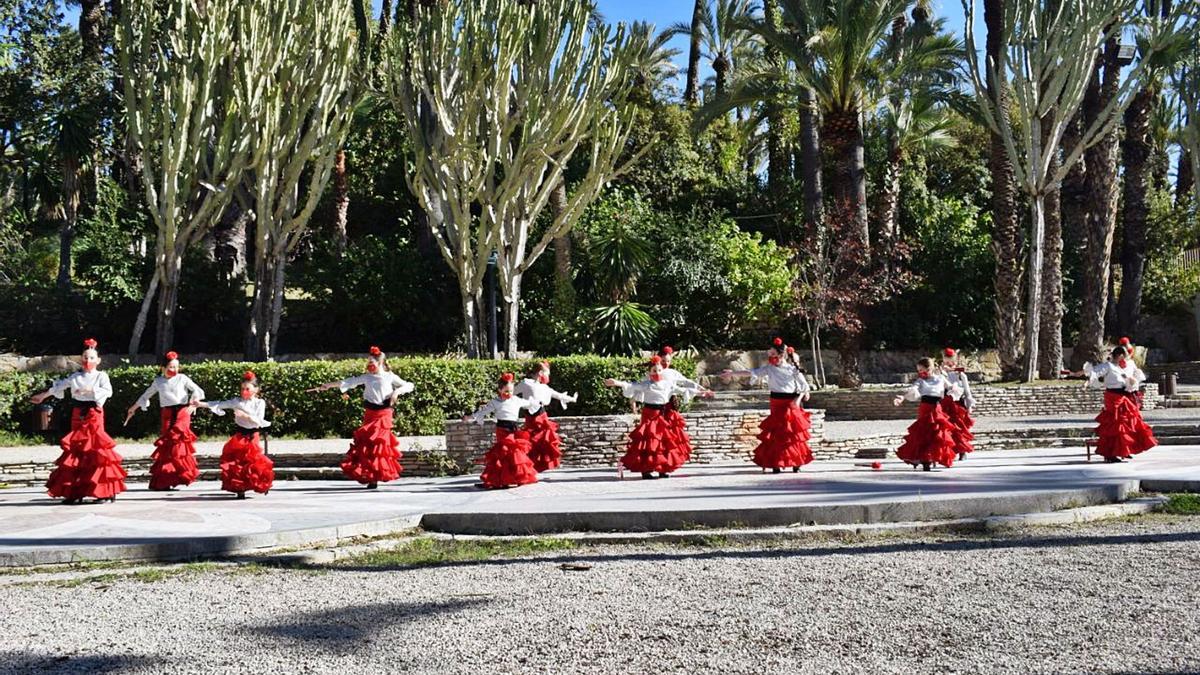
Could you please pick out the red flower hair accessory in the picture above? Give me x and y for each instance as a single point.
(375, 351)
(90, 343)
(666, 350)
(876, 465)
(1125, 341)
(544, 364)
(249, 375)
(791, 350)
(171, 356)
(655, 360)
(949, 352)
(506, 377)
(778, 342)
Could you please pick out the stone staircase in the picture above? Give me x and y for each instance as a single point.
(1183, 399)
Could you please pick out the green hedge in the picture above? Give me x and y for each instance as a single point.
(444, 388)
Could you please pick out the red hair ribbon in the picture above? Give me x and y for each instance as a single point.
(249, 375)
(171, 356)
(778, 342)
(506, 377)
(948, 352)
(90, 343)
(375, 351)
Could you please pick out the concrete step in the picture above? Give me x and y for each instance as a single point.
(1181, 403)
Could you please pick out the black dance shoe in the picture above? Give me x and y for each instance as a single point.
(926, 466)
(646, 475)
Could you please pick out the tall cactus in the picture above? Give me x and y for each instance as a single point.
(298, 62)
(498, 96)
(181, 114)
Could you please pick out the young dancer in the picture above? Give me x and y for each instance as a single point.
(543, 432)
(244, 467)
(671, 411)
(507, 463)
(174, 453)
(783, 439)
(89, 465)
(656, 445)
(958, 410)
(1122, 431)
(374, 455)
(930, 439)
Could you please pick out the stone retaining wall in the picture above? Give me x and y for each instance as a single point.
(717, 436)
(1015, 401)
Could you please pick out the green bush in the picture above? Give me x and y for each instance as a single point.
(444, 388)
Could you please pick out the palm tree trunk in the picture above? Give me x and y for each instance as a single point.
(1101, 221)
(341, 202)
(70, 215)
(1135, 153)
(691, 90)
(810, 162)
(889, 200)
(778, 169)
(1006, 232)
(842, 138)
(1183, 178)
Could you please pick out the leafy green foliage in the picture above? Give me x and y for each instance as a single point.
(1169, 283)
(445, 388)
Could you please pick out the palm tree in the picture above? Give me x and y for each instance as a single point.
(721, 34)
(655, 59)
(916, 124)
(1006, 229)
(692, 90)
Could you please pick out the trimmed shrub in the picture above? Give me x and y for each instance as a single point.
(444, 388)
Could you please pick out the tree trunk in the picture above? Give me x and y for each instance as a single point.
(778, 169)
(168, 305)
(692, 89)
(842, 138)
(341, 201)
(1006, 229)
(1033, 313)
(139, 326)
(1101, 221)
(1050, 352)
(1184, 177)
(721, 69)
(70, 216)
(225, 244)
(512, 311)
(849, 345)
(259, 330)
(564, 289)
(1135, 152)
(889, 200)
(470, 322)
(810, 164)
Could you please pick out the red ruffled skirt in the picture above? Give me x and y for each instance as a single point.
(783, 439)
(244, 467)
(507, 462)
(89, 465)
(679, 426)
(174, 453)
(1122, 431)
(929, 439)
(374, 455)
(544, 442)
(961, 422)
(657, 443)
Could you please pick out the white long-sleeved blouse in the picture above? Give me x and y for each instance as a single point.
(935, 386)
(781, 379)
(505, 409)
(255, 410)
(961, 381)
(542, 393)
(84, 386)
(1109, 375)
(377, 387)
(655, 393)
(172, 391)
(681, 381)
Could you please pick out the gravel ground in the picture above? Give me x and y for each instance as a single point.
(1119, 596)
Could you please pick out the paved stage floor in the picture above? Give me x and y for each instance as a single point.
(201, 520)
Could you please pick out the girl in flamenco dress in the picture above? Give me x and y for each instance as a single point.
(930, 439)
(1122, 431)
(174, 453)
(244, 466)
(671, 411)
(89, 465)
(958, 410)
(507, 463)
(783, 439)
(374, 455)
(543, 432)
(656, 445)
